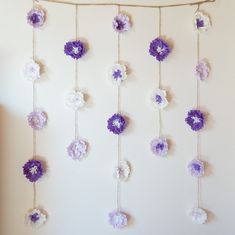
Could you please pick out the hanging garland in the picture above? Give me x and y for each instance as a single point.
(34, 168)
(76, 49)
(196, 118)
(117, 122)
(160, 50)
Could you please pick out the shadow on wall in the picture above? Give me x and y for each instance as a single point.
(14, 190)
(2, 146)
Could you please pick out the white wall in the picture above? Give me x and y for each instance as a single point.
(79, 195)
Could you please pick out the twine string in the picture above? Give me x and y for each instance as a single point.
(118, 109)
(34, 108)
(130, 5)
(76, 73)
(159, 71)
(198, 106)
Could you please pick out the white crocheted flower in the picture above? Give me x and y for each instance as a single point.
(75, 100)
(36, 217)
(198, 215)
(159, 99)
(118, 73)
(122, 171)
(201, 22)
(32, 70)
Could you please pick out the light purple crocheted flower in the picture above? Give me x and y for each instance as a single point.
(159, 49)
(76, 49)
(196, 168)
(117, 219)
(121, 23)
(116, 124)
(77, 149)
(37, 119)
(202, 70)
(33, 170)
(195, 119)
(159, 147)
(36, 17)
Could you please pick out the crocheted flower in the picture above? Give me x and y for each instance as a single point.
(118, 73)
(75, 49)
(159, 49)
(159, 99)
(195, 119)
(117, 219)
(116, 124)
(201, 22)
(37, 119)
(32, 70)
(196, 168)
(122, 171)
(121, 23)
(198, 215)
(202, 70)
(33, 170)
(77, 149)
(75, 100)
(36, 217)
(159, 146)
(36, 17)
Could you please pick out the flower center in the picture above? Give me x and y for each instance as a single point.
(158, 99)
(35, 18)
(120, 171)
(160, 50)
(118, 219)
(160, 146)
(33, 170)
(36, 120)
(196, 167)
(34, 217)
(117, 123)
(120, 24)
(32, 69)
(76, 50)
(117, 74)
(200, 23)
(196, 119)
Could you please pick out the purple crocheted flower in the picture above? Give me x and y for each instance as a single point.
(195, 119)
(159, 49)
(159, 147)
(196, 168)
(121, 23)
(116, 124)
(202, 70)
(117, 219)
(33, 170)
(36, 17)
(77, 149)
(75, 49)
(37, 119)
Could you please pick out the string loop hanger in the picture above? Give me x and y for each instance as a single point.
(130, 5)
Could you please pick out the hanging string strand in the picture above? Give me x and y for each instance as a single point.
(34, 83)
(118, 137)
(76, 72)
(130, 5)
(34, 108)
(198, 106)
(159, 71)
